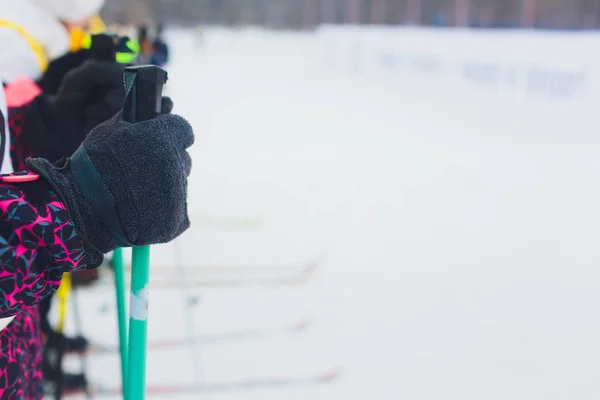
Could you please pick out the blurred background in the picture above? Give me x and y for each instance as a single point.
(308, 14)
(391, 199)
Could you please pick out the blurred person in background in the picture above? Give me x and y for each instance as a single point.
(160, 48)
(35, 32)
(146, 45)
(51, 126)
(45, 39)
(199, 36)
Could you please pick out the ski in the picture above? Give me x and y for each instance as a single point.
(235, 275)
(229, 223)
(210, 339)
(267, 383)
(229, 276)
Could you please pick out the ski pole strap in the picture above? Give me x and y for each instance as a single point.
(101, 199)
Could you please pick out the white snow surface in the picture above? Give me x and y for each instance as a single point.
(458, 243)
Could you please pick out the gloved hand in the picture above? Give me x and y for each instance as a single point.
(103, 47)
(127, 184)
(91, 94)
(57, 70)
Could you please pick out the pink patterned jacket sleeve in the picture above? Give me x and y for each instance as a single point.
(38, 243)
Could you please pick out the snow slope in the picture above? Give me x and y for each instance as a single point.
(458, 243)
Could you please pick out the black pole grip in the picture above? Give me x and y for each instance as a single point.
(143, 92)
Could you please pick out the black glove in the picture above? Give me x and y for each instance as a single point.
(103, 47)
(127, 184)
(91, 94)
(55, 73)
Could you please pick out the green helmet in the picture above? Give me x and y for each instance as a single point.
(127, 50)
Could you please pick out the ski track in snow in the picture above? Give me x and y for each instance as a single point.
(459, 243)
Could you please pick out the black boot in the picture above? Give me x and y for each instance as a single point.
(55, 379)
(71, 384)
(77, 344)
(85, 278)
(74, 383)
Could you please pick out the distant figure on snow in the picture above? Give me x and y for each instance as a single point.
(160, 49)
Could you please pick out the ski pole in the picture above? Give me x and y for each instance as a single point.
(79, 330)
(143, 98)
(105, 49)
(119, 270)
(62, 293)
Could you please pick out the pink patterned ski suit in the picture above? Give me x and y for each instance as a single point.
(38, 243)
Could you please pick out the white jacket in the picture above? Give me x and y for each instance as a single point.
(6, 165)
(17, 58)
(5, 161)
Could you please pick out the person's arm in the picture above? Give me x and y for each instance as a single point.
(63, 216)
(54, 126)
(38, 242)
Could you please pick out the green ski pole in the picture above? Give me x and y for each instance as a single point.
(135, 387)
(119, 270)
(143, 88)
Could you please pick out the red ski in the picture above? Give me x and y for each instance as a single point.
(224, 337)
(267, 383)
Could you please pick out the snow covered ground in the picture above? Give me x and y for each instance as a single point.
(458, 245)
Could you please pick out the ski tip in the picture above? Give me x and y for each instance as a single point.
(193, 301)
(303, 324)
(332, 375)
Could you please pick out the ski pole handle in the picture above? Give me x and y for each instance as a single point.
(143, 92)
(143, 100)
